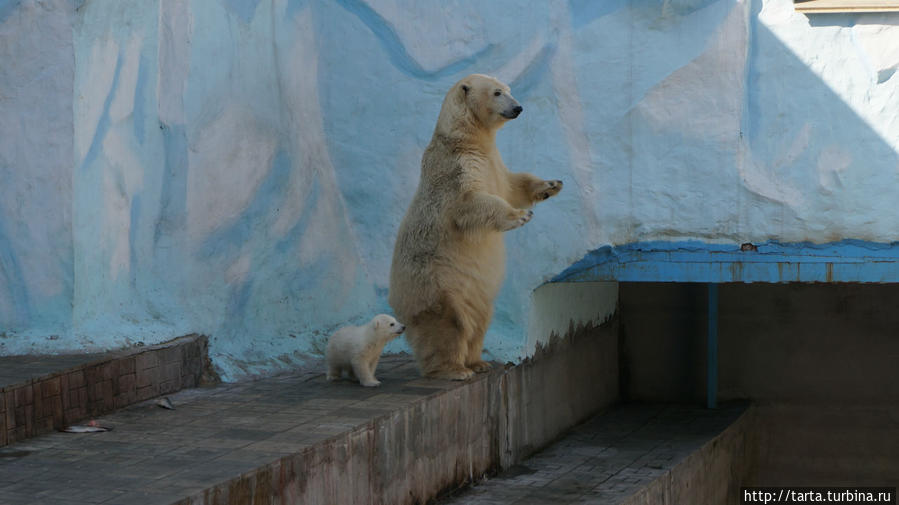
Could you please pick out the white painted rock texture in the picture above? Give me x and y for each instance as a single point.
(239, 168)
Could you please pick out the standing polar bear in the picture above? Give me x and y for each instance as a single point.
(449, 258)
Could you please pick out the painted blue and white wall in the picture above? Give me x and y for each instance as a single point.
(239, 168)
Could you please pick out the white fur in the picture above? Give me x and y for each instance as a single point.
(357, 349)
(449, 258)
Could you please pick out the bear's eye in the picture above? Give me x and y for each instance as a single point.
(391, 324)
(497, 93)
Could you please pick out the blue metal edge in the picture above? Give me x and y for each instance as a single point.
(848, 260)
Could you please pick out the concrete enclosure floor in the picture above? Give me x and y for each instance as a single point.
(616, 456)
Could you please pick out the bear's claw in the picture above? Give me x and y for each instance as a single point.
(548, 189)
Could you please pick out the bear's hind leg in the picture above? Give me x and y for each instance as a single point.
(439, 348)
(475, 341)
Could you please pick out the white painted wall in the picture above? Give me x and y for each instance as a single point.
(240, 167)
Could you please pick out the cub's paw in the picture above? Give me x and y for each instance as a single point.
(371, 384)
(454, 374)
(517, 218)
(480, 366)
(543, 190)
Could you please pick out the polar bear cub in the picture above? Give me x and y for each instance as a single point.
(357, 349)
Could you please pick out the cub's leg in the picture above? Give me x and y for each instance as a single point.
(364, 373)
(334, 372)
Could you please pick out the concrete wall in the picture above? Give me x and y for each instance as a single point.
(818, 359)
(808, 343)
(837, 444)
(448, 438)
(239, 168)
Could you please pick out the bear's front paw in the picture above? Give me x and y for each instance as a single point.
(518, 218)
(371, 384)
(543, 190)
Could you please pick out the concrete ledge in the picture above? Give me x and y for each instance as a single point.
(46, 393)
(446, 439)
(712, 474)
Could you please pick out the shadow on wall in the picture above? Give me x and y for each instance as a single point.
(831, 173)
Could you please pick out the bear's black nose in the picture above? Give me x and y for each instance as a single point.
(513, 112)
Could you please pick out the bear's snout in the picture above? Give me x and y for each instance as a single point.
(401, 329)
(513, 112)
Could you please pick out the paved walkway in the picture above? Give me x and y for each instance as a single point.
(159, 456)
(606, 459)
(156, 456)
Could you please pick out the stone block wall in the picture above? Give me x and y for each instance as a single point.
(99, 386)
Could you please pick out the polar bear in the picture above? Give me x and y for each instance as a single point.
(449, 257)
(357, 349)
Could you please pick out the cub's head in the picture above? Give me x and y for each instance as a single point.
(386, 327)
(479, 100)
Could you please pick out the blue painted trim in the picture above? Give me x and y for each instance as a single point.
(843, 261)
(712, 349)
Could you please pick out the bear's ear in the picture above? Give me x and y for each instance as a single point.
(465, 88)
(377, 323)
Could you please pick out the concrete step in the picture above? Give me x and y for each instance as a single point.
(40, 394)
(633, 454)
(300, 439)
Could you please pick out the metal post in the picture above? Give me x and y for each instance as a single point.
(712, 355)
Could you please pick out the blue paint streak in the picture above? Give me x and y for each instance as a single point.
(293, 236)
(229, 239)
(294, 6)
(238, 301)
(245, 9)
(7, 7)
(103, 123)
(139, 115)
(395, 49)
(314, 274)
(13, 278)
(173, 203)
(584, 12)
(844, 261)
(535, 73)
(132, 238)
(749, 124)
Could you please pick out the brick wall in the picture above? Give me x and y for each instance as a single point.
(97, 387)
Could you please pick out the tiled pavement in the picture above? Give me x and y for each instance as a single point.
(605, 460)
(159, 456)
